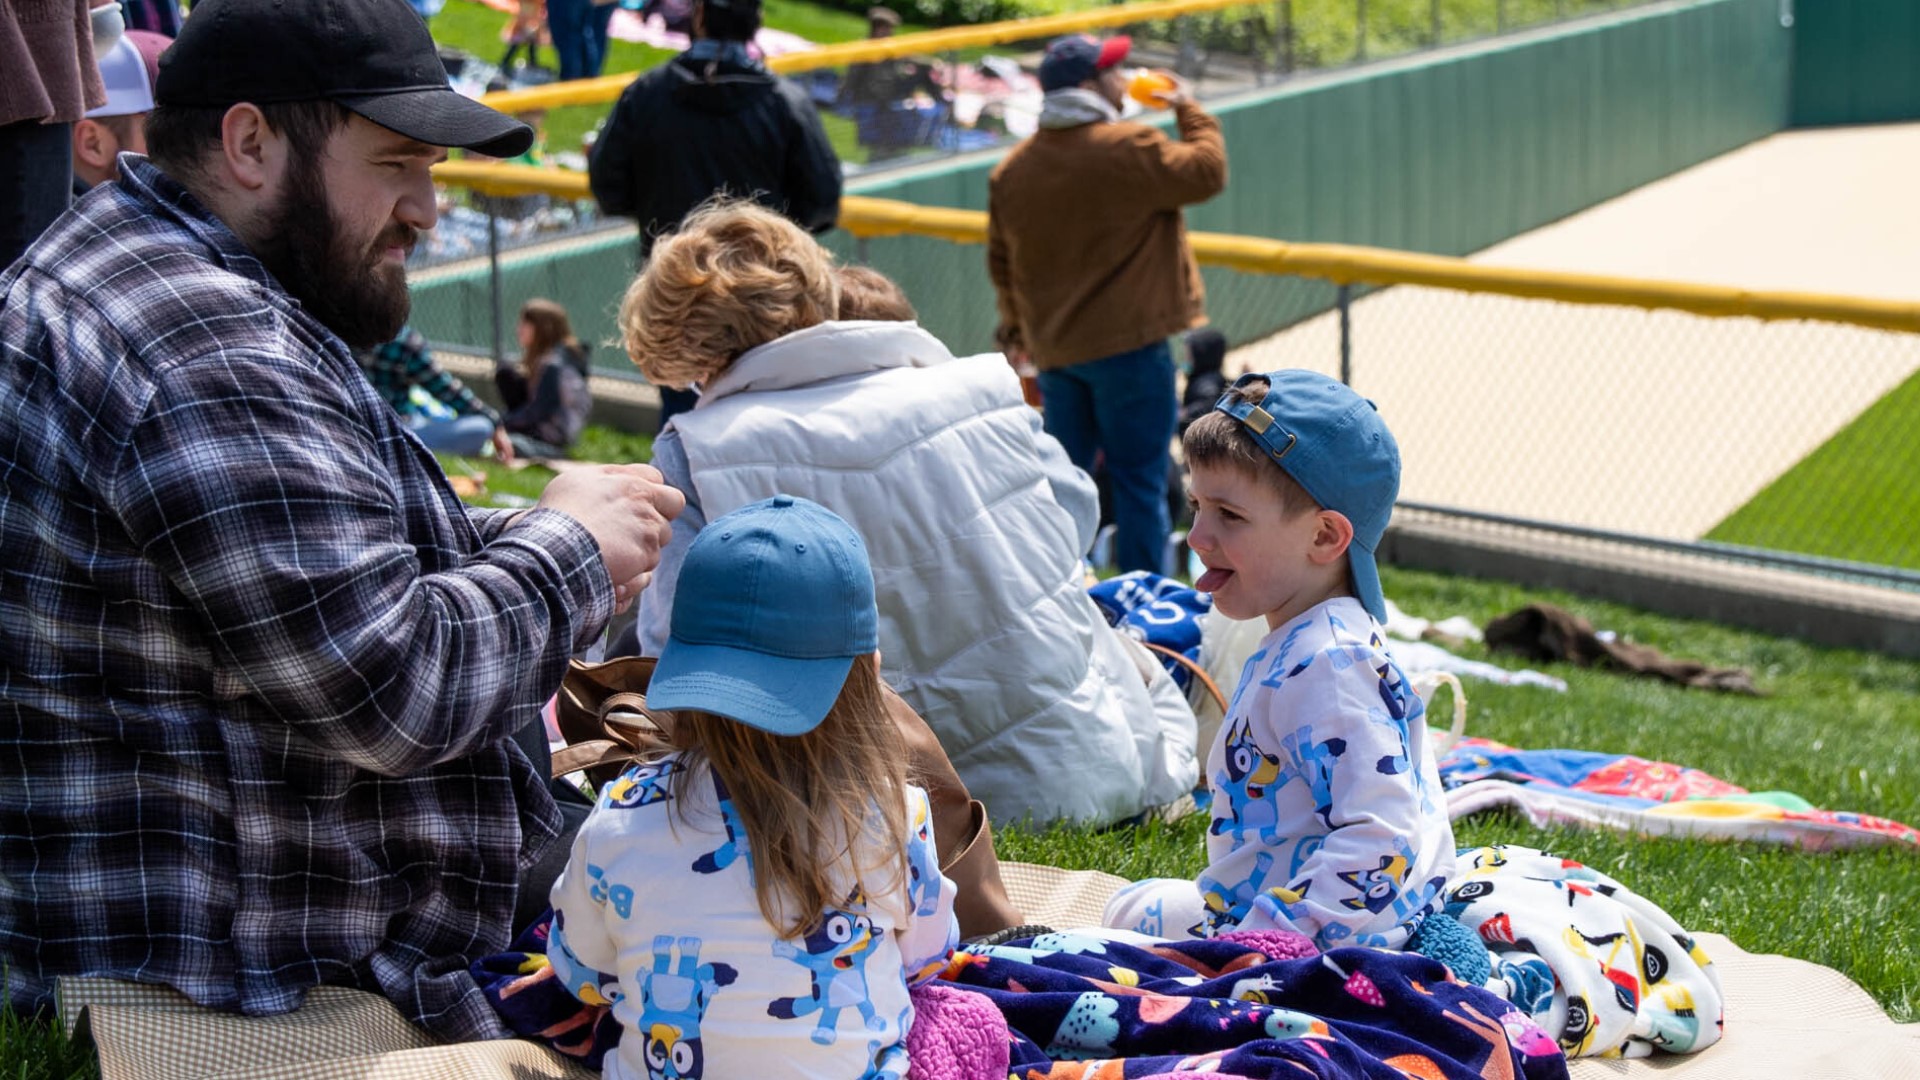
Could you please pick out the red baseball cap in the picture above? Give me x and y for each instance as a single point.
(1073, 60)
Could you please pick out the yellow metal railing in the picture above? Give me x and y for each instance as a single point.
(932, 42)
(1341, 264)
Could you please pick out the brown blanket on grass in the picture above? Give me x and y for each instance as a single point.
(1542, 632)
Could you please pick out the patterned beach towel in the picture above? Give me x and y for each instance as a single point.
(1653, 798)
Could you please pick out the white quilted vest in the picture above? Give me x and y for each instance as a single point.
(985, 627)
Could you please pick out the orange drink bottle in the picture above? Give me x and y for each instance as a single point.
(1147, 84)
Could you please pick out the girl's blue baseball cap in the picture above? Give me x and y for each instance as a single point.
(1334, 444)
(773, 603)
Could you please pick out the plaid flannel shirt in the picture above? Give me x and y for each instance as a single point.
(258, 665)
(397, 367)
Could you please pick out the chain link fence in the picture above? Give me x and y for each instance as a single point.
(1780, 443)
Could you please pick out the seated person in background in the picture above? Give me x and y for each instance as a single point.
(867, 295)
(765, 909)
(887, 97)
(1328, 817)
(1206, 355)
(547, 397)
(973, 517)
(119, 125)
(397, 367)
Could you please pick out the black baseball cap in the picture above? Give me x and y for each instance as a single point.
(373, 57)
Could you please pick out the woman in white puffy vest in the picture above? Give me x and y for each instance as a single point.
(974, 519)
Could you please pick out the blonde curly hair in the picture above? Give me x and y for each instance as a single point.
(733, 276)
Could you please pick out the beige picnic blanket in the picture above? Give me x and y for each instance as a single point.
(1785, 1018)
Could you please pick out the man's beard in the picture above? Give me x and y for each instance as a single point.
(356, 293)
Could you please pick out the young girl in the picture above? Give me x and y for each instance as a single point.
(547, 398)
(761, 893)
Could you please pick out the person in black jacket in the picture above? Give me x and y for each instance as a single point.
(1206, 379)
(711, 120)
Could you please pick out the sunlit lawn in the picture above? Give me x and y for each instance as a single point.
(1841, 728)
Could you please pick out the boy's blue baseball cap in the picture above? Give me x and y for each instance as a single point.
(774, 602)
(1334, 444)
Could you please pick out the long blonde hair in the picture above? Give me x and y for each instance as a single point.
(811, 804)
(733, 276)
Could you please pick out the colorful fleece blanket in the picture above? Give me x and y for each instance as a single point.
(1580, 966)
(1655, 798)
(1087, 1008)
(1582, 956)
(1257, 1005)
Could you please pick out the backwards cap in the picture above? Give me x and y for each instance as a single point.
(1334, 444)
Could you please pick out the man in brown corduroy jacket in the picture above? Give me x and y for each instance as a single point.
(48, 80)
(1088, 253)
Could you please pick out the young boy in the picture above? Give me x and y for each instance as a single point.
(1328, 816)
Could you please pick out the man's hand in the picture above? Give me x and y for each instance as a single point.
(1020, 360)
(502, 446)
(1014, 346)
(1180, 94)
(629, 509)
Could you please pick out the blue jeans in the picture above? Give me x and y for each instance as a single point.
(579, 32)
(36, 182)
(1123, 407)
(468, 436)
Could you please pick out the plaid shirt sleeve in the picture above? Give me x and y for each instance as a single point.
(490, 522)
(272, 517)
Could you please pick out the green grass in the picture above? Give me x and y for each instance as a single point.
(1397, 26)
(1852, 498)
(1838, 727)
(476, 28)
(520, 487)
(33, 1051)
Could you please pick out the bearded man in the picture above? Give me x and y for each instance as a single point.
(261, 673)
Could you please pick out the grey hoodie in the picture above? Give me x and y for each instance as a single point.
(1074, 106)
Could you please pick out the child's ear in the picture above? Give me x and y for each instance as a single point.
(1332, 535)
(87, 143)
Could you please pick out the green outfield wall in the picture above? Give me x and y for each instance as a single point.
(1855, 61)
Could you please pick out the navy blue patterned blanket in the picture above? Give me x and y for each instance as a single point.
(1087, 1009)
